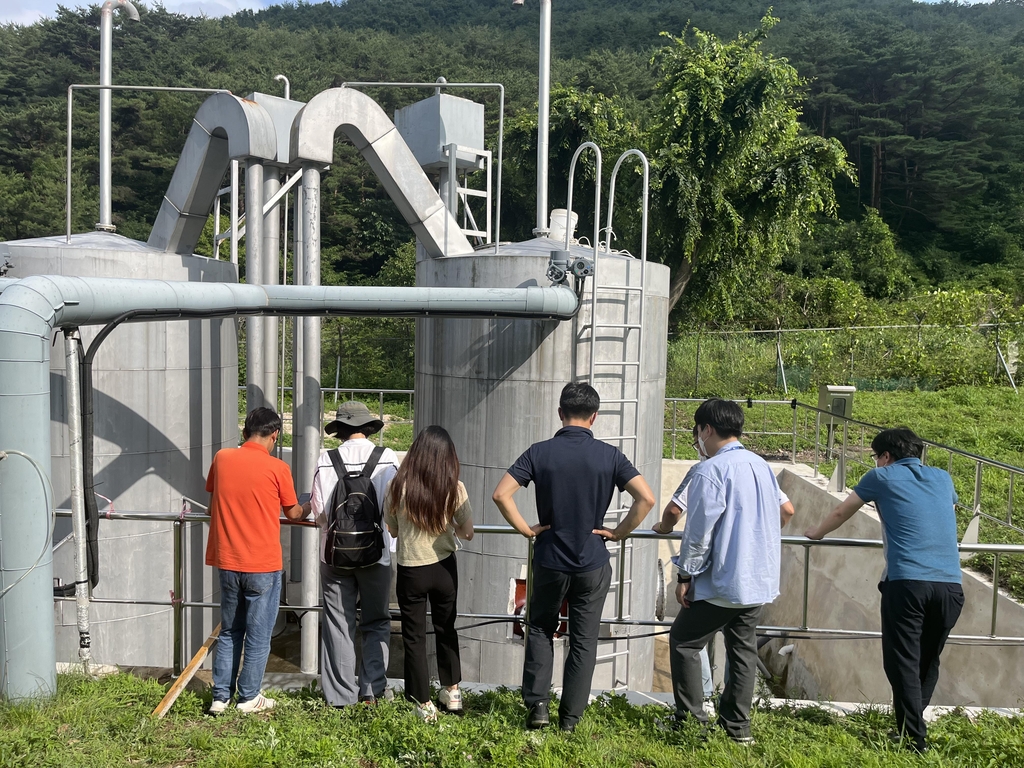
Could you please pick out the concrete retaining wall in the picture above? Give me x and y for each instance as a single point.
(843, 594)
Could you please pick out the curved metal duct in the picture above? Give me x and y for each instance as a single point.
(363, 121)
(225, 128)
(32, 307)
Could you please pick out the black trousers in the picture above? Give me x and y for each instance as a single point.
(917, 617)
(586, 593)
(693, 629)
(415, 584)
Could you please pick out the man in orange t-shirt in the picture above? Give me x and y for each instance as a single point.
(249, 489)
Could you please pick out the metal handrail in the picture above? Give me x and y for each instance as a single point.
(178, 604)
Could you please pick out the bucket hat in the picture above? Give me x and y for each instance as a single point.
(356, 415)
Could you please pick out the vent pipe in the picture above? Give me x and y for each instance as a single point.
(106, 42)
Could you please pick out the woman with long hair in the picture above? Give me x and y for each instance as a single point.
(427, 510)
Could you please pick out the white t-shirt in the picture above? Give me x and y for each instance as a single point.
(354, 454)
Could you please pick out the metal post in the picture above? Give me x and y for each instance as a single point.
(543, 110)
(529, 586)
(674, 403)
(796, 417)
(807, 581)
(696, 370)
(380, 435)
(1009, 501)
(995, 591)
(842, 458)
(817, 440)
(622, 577)
(73, 394)
(977, 486)
(180, 531)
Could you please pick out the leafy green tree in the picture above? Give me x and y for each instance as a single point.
(740, 178)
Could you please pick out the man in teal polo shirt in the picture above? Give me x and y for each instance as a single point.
(921, 593)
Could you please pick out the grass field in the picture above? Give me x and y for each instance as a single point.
(106, 723)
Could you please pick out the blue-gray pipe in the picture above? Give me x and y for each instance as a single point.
(30, 310)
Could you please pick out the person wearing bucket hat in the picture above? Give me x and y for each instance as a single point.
(369, 586)
(353, 417)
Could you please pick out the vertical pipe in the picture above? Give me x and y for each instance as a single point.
(216, 227)
(1009, 501)
(106, 37)
(298, 438)
(234, 212)
(620, 596)
(310, 422)
(380, 435)
(271, 268)
(255, 364)
(67, 172)
(543, 110)
(178, 608)
(73, 395)
(674, 432)
(27, 641)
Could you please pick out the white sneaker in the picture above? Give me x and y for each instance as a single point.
(260, 704)
(450, 700)
(427, 712)
(219, 707)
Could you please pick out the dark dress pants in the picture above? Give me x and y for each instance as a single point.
(585, 593)
(694, 628)
(917, 617)
(438, 582)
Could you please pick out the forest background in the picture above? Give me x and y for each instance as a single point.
(923, 101)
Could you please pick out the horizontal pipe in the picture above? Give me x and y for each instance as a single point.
(798, 541)
(59, 301)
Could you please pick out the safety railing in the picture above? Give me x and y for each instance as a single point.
(794, 431)
(177, 603)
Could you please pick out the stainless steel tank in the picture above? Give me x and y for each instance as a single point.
(494, 385)
(166, 400)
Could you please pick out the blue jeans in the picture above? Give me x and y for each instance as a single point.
(248, 609)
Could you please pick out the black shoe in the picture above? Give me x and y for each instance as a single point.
(538, 716)
(567, 727)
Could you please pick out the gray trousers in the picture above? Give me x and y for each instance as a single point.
(585, 593)
(372, 587)
(693, 628)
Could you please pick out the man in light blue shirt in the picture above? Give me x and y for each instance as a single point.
(728, 567)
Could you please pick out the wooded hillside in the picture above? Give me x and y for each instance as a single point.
(926, 100)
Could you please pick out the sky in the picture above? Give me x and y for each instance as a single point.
(29, 11)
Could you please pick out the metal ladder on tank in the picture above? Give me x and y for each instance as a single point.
(632, 295)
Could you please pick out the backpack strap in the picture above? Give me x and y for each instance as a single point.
(335, 457)
(371, 463)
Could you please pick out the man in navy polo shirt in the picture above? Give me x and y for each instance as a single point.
(921, 593)
(575, 477)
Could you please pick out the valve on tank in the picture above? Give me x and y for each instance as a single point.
(563, 263)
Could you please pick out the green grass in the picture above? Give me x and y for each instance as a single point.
(107, 723)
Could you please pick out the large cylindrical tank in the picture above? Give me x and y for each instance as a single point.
(494, 385)
(166, 400)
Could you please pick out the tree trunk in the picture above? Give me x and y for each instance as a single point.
(680, 279)
(877, 163)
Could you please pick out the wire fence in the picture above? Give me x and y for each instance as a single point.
(918, 357)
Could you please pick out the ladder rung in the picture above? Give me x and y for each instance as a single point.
(619, 437)
(626, 400)
(616, 325)
(617, 362)
(620, 288)
(613, 655)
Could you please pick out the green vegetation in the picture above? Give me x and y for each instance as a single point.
(747, 129)
(107, 723)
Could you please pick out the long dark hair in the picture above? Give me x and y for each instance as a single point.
(427, 481)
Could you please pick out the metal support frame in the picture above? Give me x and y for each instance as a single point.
(804, 630)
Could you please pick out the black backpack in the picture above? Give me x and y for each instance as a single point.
(355, 525)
